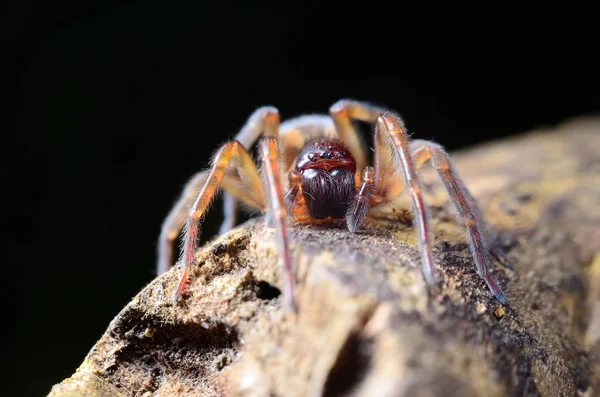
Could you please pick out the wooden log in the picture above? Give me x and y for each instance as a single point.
(367, 323)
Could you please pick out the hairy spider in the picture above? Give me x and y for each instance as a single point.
(327, 178)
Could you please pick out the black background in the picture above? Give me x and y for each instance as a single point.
(112, 107)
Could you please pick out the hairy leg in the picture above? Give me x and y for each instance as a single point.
(270, 164)
(173, 223)
(231, 152)
(343, 112)
(469, 213)
(229, 213)
(393, 126)
(264, 120)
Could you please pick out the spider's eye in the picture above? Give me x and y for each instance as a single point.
(327, 155)
(339, 154)
(312, 157)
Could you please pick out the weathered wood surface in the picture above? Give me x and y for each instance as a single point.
(367, 324)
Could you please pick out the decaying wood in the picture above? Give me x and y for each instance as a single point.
(367, 324)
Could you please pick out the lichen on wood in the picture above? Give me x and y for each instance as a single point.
(367, 324)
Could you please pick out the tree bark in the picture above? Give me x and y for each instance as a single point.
(367, 324)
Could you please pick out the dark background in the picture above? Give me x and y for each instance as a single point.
(112, 107)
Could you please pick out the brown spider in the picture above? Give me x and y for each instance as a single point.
(327, 178)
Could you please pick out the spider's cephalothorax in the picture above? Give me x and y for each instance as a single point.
(328, 178)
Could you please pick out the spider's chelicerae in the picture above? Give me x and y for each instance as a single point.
(327, 179)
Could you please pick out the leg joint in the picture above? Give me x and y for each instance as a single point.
(269, 147)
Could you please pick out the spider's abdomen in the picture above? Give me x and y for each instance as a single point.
(327, 172)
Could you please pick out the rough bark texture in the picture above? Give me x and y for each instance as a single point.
(367, 324)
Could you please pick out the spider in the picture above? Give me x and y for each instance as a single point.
(327, 179)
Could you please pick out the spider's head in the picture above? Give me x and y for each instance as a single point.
(327, 170)
(325, 155)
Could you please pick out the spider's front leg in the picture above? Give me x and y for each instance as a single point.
(469, 213)
(343, 112)
(174, 221)
(231, 152)
(392, 126)
(422, 151)
(265, 121)
(234, 152)
(270, 160)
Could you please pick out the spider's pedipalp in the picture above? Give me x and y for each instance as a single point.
(469, 214)
(360, 206)
(294, 199)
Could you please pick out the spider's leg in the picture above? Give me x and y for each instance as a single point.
(379, 183)
(264, 120)
(394, 127)
(343, 112)
(469, 214)
(259, 123)
(387, 186)
(500, 255)
(360, 206)
(270, 163)
(171, 226)
(229, 213)
(231, 152)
